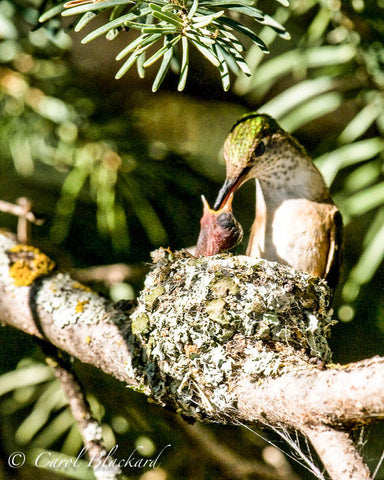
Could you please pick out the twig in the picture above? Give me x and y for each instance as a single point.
(337, 452)
(89, 427)
(26, 217)
(23, 224)
(379, 463)
(233, 465)
(20, 211)
(111, 274)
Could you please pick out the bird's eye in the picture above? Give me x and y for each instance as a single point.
(259, 150)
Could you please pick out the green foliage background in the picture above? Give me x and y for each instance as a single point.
(118, 171)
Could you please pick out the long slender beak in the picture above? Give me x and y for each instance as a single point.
(229, 186)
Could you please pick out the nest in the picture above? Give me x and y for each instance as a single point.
(204, 323)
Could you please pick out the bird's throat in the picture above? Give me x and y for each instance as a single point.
(256, 245)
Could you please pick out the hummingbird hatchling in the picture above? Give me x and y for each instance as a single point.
(296, 222)
(219, 230)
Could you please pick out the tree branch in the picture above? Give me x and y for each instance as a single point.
(337, 452)
(90, 429)
(339, 396)
(22, 209)
(232, 465)
(225, 339)
(110, 274)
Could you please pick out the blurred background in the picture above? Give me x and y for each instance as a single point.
(118, 171)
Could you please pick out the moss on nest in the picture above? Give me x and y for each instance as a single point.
(210, 320)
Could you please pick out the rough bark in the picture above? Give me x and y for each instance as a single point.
(337, 452)
(340, 396)
(90, 429)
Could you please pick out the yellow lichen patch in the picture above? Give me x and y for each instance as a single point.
(80, 286)
(337, 366)
(27, 264)
(80, 306)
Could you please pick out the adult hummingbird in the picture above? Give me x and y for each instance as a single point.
(296, 222)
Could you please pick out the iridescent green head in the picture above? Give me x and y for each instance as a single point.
(244, 148)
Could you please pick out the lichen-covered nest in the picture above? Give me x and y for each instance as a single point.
(203, 323)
